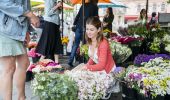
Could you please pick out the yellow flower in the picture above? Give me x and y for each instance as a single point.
(106, 31)
(146, 82)
(65, 40)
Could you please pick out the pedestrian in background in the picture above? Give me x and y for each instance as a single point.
(90, 9)
(142, 17)
(50, 45)
(14, 17)
(153, 19)
(108, 19)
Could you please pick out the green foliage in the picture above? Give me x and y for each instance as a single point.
(166, 41)
(168, 1)
(155, 45)
(156, 36)
(150, 34)
(119, 51)
(53, 86)
(136, 43)
(84, 51)
(140, 30)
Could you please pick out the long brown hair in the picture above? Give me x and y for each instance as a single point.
(110, 12)
(95, 21)
(143, 11)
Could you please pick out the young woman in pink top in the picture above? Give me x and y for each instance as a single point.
(100, 57)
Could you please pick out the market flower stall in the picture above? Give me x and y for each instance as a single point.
(151, 79)
(55, 84)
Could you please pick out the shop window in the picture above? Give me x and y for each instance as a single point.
(138, 8)
(154, 7)
(163, 6)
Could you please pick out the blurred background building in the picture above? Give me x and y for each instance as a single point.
(134, 7)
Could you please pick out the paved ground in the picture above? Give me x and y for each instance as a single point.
(29, 93)
(28, 90)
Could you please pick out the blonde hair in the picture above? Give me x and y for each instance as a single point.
(95, 21)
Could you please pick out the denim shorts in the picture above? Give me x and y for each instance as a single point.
(11, 47)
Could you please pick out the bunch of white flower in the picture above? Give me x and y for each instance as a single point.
(92, 85)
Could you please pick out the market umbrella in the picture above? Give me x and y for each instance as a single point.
(106, 5)
(36, 2)
(65, 6)
(81, 1)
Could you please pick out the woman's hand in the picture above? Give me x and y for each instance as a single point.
(84, 67)
(34, 20)
(58, 5)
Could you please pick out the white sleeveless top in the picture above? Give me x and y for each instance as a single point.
(94, 57)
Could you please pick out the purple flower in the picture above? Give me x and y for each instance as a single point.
(126, 39)
(138, 76)
(131, 76)
(135, 76)
(52, 64)
(145, 58)
(118, 69)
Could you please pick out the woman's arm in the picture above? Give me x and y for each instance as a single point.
(52, 7)
(34, 20)
(102, 59)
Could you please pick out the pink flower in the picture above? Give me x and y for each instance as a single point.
(31, 67)
(32, 53)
